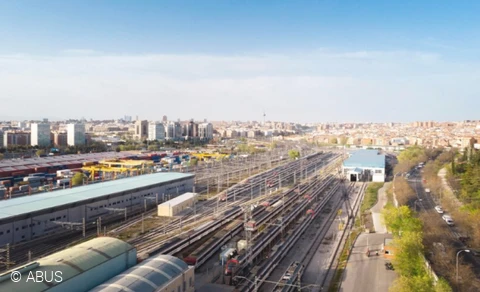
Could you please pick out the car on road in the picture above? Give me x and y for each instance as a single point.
(439, 209)
(448, 220)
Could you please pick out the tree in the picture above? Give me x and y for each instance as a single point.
(118, 149)
(343, 140)
(40, 152)
(1, 156)
(293, 154)
(77, 179)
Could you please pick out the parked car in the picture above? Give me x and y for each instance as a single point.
(448, 220)
(439, 209)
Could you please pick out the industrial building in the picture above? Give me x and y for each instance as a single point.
(162, 273)
(25, 218)
(77, 269)
(365, 165)
(75, 134)
(177, 205)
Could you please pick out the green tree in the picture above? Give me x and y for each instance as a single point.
(343, 140)
(399, 220)
(294, 154)
(413, 154)
(118, 149)
(77, 179)
(442, 286)
(40, 152)
(1, 156)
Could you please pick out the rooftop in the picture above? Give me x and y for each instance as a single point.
(61, 159)
(149, 276)
(71, 262)
(180, 199)
(365, 158)
(44, 201)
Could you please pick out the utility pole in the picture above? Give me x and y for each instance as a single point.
(29, 256)
(83, 227)
(143, 225)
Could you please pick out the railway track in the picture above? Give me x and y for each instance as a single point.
(254, 188)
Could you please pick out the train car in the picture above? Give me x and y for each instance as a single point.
(277, 204)
(251, 225)
(231, 267)
(227, 255)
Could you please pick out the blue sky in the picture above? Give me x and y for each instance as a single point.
(302, 61)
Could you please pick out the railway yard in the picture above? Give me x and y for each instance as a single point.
(262, 224)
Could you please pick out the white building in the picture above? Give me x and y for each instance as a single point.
(75, 134)
(40, 135)
(173, 131)
(205, 131)
(365, 165)
(156, 131)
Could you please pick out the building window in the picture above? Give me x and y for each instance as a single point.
(190, 282)
(184, 285)
(378, 171)
(178, 289)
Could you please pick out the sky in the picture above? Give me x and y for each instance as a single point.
(299, 61)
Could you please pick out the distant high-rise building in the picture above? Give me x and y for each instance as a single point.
(141, 129)
(164, 119)
(173, 131)
(75, 134)
(60, 139)
(127, 118)
(156, 131)
(205, 131)
(16, 138)
(40, 134)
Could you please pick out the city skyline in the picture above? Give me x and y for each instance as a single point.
(317, 62)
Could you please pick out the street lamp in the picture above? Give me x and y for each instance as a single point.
(458, 253)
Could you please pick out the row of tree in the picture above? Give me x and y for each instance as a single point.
(409, 261)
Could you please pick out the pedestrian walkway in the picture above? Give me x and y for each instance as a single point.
(447, 190)
(377, 210)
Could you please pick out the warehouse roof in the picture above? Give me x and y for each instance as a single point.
(178, 200)
(151, 275)
(44, 201)
(365, 159)
(64, 158)
(70, 262)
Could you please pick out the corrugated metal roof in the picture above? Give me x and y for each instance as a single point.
(178, 200)
(70, 262)
(151, 275)
(17, 206)
(365, 159)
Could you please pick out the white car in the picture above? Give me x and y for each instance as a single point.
(448, 220)
(439, 209)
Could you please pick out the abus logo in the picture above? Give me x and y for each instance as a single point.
(45, 276)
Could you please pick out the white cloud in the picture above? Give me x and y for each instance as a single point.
(316, 86)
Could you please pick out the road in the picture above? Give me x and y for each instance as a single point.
(367, 273)
(377, 210)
